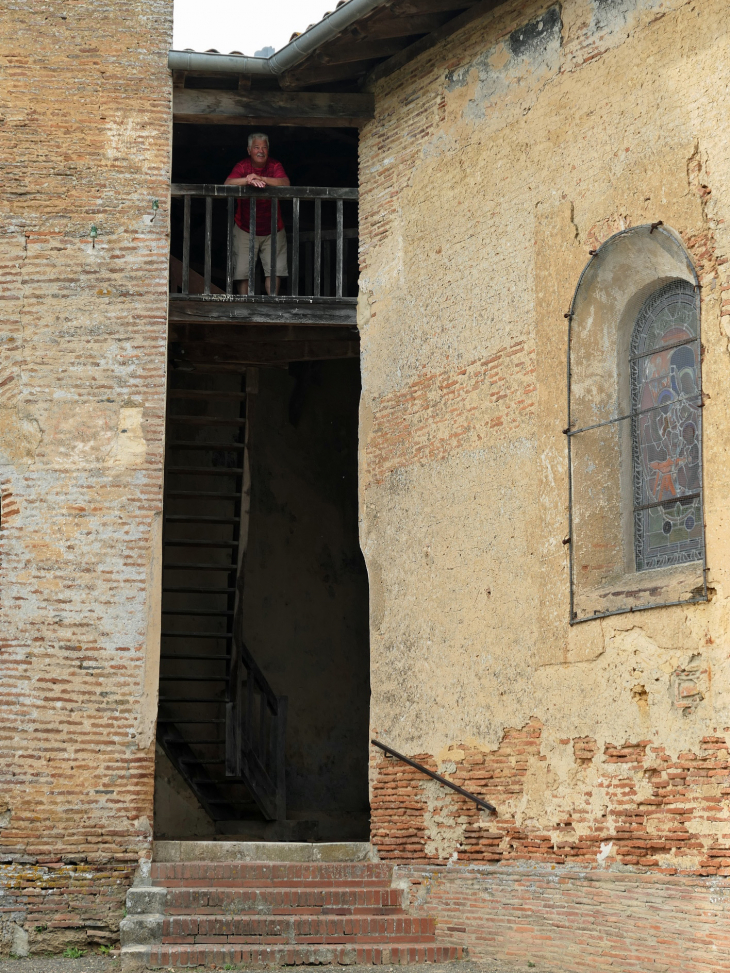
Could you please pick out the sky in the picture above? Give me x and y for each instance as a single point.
(242, 25)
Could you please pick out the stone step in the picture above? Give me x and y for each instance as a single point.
(298, 930)
(183, 955)
(262, 851)
(262, 875)
(283, 901)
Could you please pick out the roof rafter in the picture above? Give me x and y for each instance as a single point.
(387, 32)
(346, 53)
(397, 61)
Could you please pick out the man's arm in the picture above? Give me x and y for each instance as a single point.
(250, 180)
(272, 181)
(259, 181)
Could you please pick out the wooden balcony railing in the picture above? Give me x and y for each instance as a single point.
(321, 232)
(256, 734)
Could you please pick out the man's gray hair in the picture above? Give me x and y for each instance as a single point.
(258, 136)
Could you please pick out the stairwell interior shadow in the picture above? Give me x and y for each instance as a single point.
(261, 498)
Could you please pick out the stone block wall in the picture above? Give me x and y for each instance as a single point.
(85, 135)
(496, 162)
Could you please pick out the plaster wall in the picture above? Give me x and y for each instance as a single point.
(495, 162)
(85, 136)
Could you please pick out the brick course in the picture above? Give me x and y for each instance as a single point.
(576, 921)
(441, 413)
(656, 808)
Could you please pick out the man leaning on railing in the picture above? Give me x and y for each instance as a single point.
(259, 170)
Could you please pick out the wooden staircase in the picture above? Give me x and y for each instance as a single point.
(210, 688)
(281, 913)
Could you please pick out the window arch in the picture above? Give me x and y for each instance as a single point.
(667, 446)
(634, 428)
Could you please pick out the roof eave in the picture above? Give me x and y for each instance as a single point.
(288, 57)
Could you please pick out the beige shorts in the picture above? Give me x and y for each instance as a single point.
(262, 246)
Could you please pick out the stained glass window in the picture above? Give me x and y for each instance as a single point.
(636, 538)
(666, 427)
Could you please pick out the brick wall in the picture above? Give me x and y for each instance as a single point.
(85, 134)
(656, 810)
(576, 921)
(442, 412)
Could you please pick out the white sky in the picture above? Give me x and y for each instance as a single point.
(243, 25)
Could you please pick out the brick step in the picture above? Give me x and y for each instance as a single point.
(263, 875)
(283, 901)
(402, 954)
(298, 930)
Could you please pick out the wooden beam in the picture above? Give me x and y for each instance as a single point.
(264, 352)
(382, 24)
(404, 7)
(395, 63)
(312, 72)
(222, 333)
(344, 50)
(295, 311)
(207, 106)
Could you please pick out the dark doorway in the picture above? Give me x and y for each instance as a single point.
(305, 608)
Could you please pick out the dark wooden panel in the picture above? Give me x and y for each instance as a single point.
(207, 106)
(295, 311)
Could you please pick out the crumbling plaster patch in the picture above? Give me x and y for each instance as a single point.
(20, 436)
(13, 936)
(20, 432)
(444, 824)
(507, 79)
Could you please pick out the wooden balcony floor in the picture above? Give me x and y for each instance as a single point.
(234, 309)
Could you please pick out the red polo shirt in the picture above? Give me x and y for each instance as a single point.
(272, 169)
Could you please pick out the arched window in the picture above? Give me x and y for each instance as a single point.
(634, 428)
(666, 402)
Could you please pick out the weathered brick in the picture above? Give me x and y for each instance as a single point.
(85, 136)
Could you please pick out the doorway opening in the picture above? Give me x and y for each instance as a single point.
(264, 679)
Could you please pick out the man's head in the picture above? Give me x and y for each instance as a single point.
(258, 149)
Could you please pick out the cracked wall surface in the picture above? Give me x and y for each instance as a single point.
(495, 162)
(85, 129)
